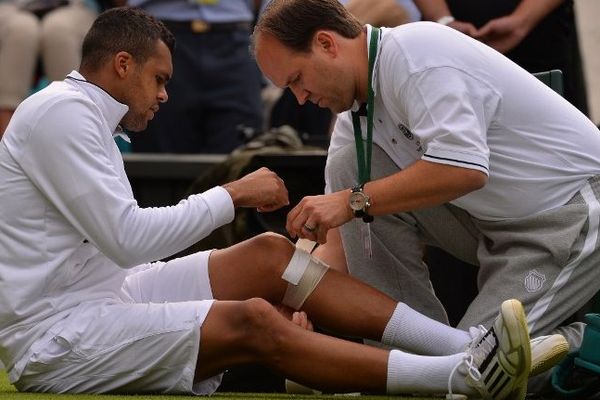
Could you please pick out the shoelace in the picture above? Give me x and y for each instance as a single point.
(481, 332)
(471, 370)
(479, 349)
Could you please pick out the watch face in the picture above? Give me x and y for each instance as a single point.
(358, 201)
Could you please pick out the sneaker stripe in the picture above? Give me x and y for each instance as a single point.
(492, 353)
(505, 380)
(491, 374)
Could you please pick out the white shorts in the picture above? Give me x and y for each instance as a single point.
(149, 343)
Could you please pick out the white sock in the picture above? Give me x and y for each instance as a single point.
(409, 373)
(417, 333)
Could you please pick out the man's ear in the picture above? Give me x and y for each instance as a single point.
(123, 63)
(326, 41)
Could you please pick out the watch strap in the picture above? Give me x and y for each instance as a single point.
(362, 213)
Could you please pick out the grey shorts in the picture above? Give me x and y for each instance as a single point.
(148, 343)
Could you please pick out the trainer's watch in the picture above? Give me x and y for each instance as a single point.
(360, 203)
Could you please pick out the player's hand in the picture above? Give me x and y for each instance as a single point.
(313, 216)
(262, 189)
(300, 318)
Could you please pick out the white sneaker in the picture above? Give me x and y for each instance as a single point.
(546, 352)
(499, 360)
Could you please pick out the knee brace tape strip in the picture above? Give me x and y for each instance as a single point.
(306, 244)
(303, 274)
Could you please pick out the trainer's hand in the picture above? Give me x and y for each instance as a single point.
(262, 189)
(315, 215)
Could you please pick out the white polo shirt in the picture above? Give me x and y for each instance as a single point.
(444, 97)
(69, 222)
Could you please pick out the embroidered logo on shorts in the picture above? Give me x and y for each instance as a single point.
(534, 281)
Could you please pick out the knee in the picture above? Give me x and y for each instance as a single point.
(67, 24)
(264, 327)
(275, 250)
(56, 28)
(274, 241)
(257, 313)
(24, 28)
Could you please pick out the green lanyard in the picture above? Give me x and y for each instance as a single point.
(364, 163)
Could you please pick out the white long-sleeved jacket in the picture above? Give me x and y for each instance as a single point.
(69, 224)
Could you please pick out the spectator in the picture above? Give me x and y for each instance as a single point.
(537, 35)
(388, 13)
(56, 35)
(217, 87)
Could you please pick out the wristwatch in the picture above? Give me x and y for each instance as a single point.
(360, 203)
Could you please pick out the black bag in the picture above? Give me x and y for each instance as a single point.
(281, 150)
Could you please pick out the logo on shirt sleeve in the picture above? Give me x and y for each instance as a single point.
(410, 136)
(406, 132)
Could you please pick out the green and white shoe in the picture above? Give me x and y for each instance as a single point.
(546, 352)
(498, 361)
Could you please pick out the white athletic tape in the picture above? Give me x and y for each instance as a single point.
(296, 267)
(303, 274)
(306, 245)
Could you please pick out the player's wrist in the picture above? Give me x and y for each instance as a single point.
(234, 193)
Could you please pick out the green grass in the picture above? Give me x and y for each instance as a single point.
(8, 392)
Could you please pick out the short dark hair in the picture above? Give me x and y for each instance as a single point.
(294, 22)
(123, 29)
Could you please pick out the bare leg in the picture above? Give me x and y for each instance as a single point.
(253, 331)
(339, 303)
